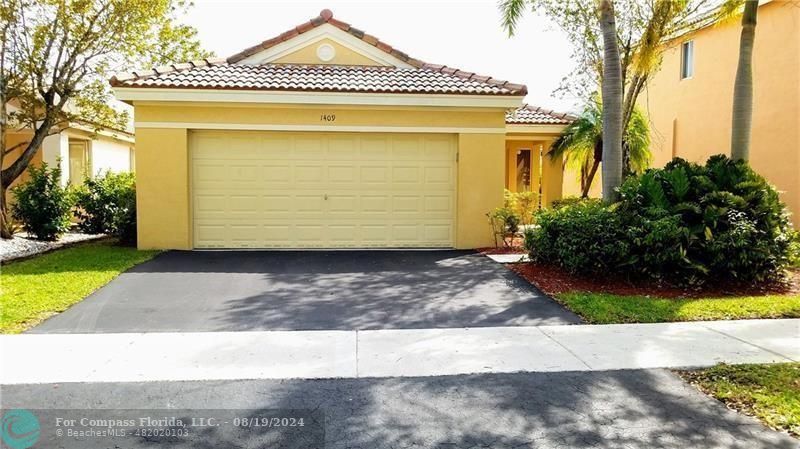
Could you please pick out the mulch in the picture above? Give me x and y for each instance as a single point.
(553, 280)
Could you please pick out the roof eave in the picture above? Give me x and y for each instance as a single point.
(148, 94)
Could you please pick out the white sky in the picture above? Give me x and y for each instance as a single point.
(464, 34)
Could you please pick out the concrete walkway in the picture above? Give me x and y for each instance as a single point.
(54, 358)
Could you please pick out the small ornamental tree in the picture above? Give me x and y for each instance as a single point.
(56, 55)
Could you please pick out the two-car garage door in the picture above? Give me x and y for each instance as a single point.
(322, 190)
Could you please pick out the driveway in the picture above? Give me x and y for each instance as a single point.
(185, 291)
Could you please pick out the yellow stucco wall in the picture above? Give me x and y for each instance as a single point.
(308, 55)
(481, 173)
(162, 159)
(691, 118)
(162, 189)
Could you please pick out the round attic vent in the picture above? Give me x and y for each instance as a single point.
(326, 52)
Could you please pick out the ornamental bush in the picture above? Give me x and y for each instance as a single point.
(42, 204)
(107, 205)
(684, 224)
(584, 237)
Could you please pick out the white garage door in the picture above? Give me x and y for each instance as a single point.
(322, 190)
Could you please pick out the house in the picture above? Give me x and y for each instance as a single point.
(82, 149)
(690, 100)
(327, 137)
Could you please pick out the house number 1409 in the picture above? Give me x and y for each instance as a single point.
(327, 117)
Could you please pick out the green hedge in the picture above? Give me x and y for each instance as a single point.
(685, 224)
(107, 205)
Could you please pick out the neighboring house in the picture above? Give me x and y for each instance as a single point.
(82, 150)
(325, 137)
(689, 101)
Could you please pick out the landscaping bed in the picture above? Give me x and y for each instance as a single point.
(22, 245)
(607, 300)
(770, 393)
(44, 285)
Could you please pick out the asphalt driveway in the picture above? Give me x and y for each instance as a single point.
(184, 291)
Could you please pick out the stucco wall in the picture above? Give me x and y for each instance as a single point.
(691, 118)
(162, 158)
(110, 155)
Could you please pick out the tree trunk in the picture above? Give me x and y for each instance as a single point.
(743, 88)
(5, 223)
(612, 103)
(589, 179)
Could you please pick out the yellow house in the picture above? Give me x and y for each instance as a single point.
(326, 137)
(689, 101)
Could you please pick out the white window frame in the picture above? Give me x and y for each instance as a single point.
(687, 60)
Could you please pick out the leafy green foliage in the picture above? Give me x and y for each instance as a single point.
(42, 204)
(585, 237)
(581, 142)
(683, 224)
(107, 205)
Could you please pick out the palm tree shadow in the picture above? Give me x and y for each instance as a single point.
(613, 409)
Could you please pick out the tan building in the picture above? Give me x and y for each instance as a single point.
(689, 101)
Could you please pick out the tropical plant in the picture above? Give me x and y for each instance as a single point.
(581, 143)
(743, 86)
(56, 55)
(685, 224)
(640, 29)
(42, 204)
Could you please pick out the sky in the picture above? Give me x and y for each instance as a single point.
(464, 34)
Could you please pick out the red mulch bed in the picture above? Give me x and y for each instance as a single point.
(553, 280)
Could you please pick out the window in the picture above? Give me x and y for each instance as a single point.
(687, 60)
(79, 162)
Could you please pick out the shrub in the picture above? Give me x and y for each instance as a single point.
(693, 223)
(518, 210)
(685, 224)
(107, 205)
(585, 237)
(42, 204)
(570, 200)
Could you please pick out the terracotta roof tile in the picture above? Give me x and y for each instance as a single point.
(317, 78)
(533, 115)
(226, 74)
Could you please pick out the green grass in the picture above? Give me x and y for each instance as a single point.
(769, 392)
(34, 289)
(603, 308)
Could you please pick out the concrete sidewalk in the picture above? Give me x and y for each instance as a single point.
(57, 358)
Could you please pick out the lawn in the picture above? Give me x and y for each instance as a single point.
(605, 308)
(37, 288)
(769, 392)
(604, 300)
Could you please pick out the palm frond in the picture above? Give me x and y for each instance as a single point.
(511, 11)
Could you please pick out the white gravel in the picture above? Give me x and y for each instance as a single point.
(23, 246)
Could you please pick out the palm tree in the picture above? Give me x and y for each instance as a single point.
(581, 143)
(743, 87)
(611, 87)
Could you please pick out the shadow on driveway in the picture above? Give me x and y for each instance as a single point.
(184, 291)
(609, 410)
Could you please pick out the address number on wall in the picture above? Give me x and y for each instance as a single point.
(327, 117)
